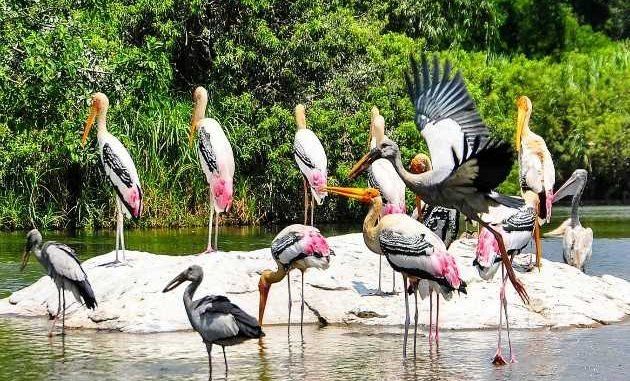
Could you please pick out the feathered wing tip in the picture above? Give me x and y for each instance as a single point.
(509, 201)
(436, 96)
(446, 267)
(86, 292)
(494, 159)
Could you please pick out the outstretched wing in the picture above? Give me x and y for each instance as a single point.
(445, 113)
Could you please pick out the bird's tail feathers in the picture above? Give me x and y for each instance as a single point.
(86, 292)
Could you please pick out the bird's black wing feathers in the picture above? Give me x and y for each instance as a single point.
(300, 154)
(247, 325)
(84, 286)
(207, 153)
(436, 98)
(493, 159)
(111, 160)
(524, 220)
(281, 243)
(398, 244)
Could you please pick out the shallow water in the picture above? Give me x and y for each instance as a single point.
(331, 353)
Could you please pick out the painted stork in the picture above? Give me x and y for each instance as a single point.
(410, 248)
(467, 165)
(63, 266)
(214, 317)
(295, 247)
(118, 167)
(577, 245)
(517, 227)
(311, 159)
(444, 222)
(536, 170)
(217, 162)
(383, 176)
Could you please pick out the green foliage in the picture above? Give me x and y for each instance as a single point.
(258, 58)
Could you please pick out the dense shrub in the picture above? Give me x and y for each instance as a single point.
(257, 58)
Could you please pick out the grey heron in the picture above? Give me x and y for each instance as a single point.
(410, 248)
(467, 165)
(119, 168)
(214, 317)
(577, 244)
(295, 247)
(63, 266)
(517, 225)
(311, 158)
(217, 161)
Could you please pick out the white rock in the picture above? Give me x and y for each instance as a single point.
(130, 298)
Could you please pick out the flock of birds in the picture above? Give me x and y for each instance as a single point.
(460, 176)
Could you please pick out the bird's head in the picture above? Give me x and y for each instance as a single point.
(420, 163)
(364, 195)
(300, 116)
(33, 240)
(98, 107)
(193, 273)
(200, 101)
(524, 106)
(574, 185)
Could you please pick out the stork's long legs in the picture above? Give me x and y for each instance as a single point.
(117, 229)
(305, 200)
(122, 227)
(209, 349)
(52, 326)
(498, 357)
(302, 308)
(380, 266)
(394, 282)
(415, 320)
(225, 359)
(216, 231)
(431, 337)
(437, 319)
(312, 211)
(209, 249)
(289, 284)
(406, 317)
(63, 313)
(518, 286)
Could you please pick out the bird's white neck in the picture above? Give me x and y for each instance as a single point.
(101, 121)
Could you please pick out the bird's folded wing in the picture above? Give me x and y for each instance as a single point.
(64, 261)
(207, 152)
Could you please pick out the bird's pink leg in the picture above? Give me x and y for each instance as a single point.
(209, 249)
(415, 320)
(431, 337)
(406, 317)
(498, 357)
(305, 200)
(312, 211)
(507, 321)
(437, 319)
(216, 232)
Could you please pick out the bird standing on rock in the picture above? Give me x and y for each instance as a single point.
(119, 168)
(63, 266)
(214, 317)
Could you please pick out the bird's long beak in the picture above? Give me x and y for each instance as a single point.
(263, 290)
(569, 188)
(364, 163)
(191, 133)
(361, 194)
(181, 278)
(25, 256)
(89, 123)
(419, 206)
(520, 123)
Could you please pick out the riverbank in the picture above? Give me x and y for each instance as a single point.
(130, 297)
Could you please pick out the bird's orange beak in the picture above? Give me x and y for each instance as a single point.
(522, 106)
(364, 163)
(362, 194)
(89, 123)
(263, 290)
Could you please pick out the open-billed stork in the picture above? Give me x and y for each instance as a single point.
(467, 165)
(217, 162)
(410, 248)
(577, 244)
(214, 317)
(119, 168)
(444, 222)
(536, 169)
(383, 176)
(295, 247)
(517, 225)
(311, 159)
(63, 266)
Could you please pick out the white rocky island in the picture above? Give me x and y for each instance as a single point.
(130, 298)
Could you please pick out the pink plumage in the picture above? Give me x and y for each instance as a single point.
(487, 247)
(223, 192)
(134, 199)
(315, 243)
(393, 209)
(445, 266)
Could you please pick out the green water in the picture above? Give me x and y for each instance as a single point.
(332, 353)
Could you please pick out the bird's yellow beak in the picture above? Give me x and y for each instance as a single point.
(522, 106)
(25, 256)
(362, 194)
(364, 163)
(89, 123)
(191, 134)
(263, 290)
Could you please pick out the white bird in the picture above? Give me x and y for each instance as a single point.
(536, 167)
(118, 167)
(217, 161)
(63, 266)
(295, 247)
(383, 176)
(577, 245)
(311, 159)
(214, 317)
(517, 226)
